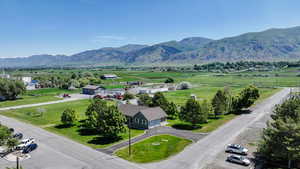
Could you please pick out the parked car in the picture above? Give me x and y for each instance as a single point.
(66, 96)
(236, 148)
(98, 97)
(29, 148)
(24, 143)
(239, 160)
(18, 136)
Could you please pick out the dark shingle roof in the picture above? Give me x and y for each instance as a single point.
(152, 113)
(130, 109)
(92, 87)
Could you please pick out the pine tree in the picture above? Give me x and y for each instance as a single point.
(192, 113)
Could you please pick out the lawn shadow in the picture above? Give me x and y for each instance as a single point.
(62, 126)
(87, 132)
(104, 140)
(180, 126)
(247, 111)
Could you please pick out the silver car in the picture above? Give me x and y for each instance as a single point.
(238, 159)
(236, 148)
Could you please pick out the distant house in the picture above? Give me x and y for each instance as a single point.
(135, 83)
(5, 76)
(91, 89)
(26, 80)
(34, 84)
(141, 117)
(109, 76)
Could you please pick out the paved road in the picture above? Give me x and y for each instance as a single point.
(200, 154)
(73, 98)
(156, 131)
(57, 152)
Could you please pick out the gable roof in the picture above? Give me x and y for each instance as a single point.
(153, 113)
(130, 109)
(92, 87)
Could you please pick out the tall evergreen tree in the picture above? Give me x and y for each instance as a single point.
(219, 103)
(281, 139)
(192, 112)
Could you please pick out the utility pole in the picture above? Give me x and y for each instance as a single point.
(129, 133)
(18, 163)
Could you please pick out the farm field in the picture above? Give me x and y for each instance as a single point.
(153, 149)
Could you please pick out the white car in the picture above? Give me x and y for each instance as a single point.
(24, 143)
(236, 148)
(239, 160)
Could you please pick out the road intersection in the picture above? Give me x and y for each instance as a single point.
(58, 152)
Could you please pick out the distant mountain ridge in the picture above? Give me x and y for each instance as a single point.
(269, 45)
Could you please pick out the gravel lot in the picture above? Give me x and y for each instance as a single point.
(249, 139)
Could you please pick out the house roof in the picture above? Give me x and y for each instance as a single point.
(92, 87)
(109, 75)
(130, 109)
(152, 113)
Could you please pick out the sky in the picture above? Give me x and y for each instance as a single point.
(31, 27)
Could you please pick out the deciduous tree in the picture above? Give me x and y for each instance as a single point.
(69, 117)
(107, 120)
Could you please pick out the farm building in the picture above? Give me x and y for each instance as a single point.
(109, 76)
(142, 117)
(91, 89)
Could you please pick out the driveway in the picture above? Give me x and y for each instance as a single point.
(204, 152)
(156, 131)
(57, 152)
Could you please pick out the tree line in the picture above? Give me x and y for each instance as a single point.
(242, 65)
(108, 121)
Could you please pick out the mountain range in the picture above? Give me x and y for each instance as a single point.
(269, 45)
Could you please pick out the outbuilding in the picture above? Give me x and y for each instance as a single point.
(91, 89)
(109, 76)
(142, 117)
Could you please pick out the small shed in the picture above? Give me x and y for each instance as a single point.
(90, 89)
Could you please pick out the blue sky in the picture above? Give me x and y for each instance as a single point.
(29, 27)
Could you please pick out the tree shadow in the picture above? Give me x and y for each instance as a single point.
(63, 126)
(186, 126)
(104, 140)
(246, 111)
(87, 132)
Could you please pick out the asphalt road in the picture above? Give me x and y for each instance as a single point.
(57, 152)
(204, 152)
(74, 97)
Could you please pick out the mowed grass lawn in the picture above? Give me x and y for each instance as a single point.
(153, 149)
(212, 123)
(37, 96)
(50, 120)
